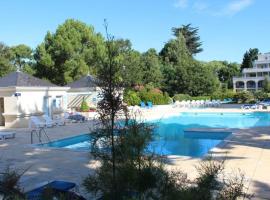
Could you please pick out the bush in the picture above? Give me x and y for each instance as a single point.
(181, 97)
(132, 98)
(244, 97)
(226, 94)
(156, 98)
(260, 95)
(84, 106)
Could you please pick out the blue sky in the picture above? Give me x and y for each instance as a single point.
(227, 27)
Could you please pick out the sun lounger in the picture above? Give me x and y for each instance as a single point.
(48, 121)
(149, 104)
(57, 187)
(249, 106)
(36, 122)
(60, 121)
(142, 104)
(7, 135)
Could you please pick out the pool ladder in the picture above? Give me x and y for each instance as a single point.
(39, 133)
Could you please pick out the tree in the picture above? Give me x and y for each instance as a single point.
(249, 57)
(151, 68)
(191, 36)
(224, 71)
(266, 85)
(5, 60)
(22, 58)
(69, 53)
(183, 74)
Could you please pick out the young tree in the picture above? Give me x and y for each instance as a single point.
(249, 57)
(192, 38)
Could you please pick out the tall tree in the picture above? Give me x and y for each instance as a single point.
(22, 58)
(249, 57)
(151, 67)
(72, 51)
(5, 60)
(190, 33)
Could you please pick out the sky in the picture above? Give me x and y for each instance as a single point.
(227, 28)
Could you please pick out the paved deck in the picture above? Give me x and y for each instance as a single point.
(247, 150)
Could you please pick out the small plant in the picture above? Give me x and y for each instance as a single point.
(9, 185)
(84, 106)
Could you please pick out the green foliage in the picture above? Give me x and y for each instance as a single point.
(151, 67)
(9, 185)
(260, 95)
(22, 58)
(249, 57)
(69, 53)
(156, 97)
(5, 60)
(192, 38)
(244, 97)
(181, 97)
(84, 106)
(266, 85)
(183, 74)
(132, 98)
(223, 94)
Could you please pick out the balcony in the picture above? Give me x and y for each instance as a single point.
(256, 69)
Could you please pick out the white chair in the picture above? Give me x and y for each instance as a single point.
(59, 120)
(36, 122)
(7, 135)
(49, 122)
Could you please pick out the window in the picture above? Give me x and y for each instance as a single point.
(57, 102)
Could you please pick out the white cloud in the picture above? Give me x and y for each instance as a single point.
(237, 6)
(181, 4)
(214, 8)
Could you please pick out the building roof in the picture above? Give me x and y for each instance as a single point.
(20, 79)
(84, 82)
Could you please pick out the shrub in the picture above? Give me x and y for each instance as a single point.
(84, 106)
(260, 95)
(132, 98)
(156, 98)
(244, 97)
(226, 94)
(181, 97)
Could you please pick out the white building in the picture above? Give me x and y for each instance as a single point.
(252, 78)
(22, 96)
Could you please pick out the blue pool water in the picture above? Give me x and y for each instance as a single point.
(172, 139)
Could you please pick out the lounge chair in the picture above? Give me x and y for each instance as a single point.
(7, 135)
(149, 104)
(34, 120)
(59, 120)
(77, 118)
(57, 187)
(249, 106)
(49, 122)
(142, 104)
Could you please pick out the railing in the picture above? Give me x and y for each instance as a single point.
(39, 133)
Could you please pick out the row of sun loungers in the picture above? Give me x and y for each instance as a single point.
(197, 103)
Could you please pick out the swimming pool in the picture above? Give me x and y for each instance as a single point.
(173, 138)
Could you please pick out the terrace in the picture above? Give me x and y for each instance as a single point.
(247, 149)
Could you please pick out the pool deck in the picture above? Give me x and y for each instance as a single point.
(247, 150)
